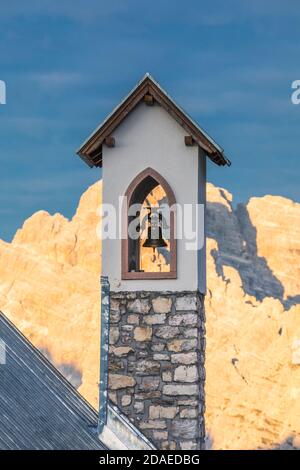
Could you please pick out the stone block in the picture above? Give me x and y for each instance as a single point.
(158, 347)
(149, 383)
(178, 345)
(184, 319)
(178, 389)
(143, 333)
(156, 319)
(190, 333)
(114, 334)
(188, 402)
(133, 319)
(139, 406)
(115, 365)
(189, 413)
(148, 395)
(115, 316)
(146, 366)
(188, 445)
(141, 354)
(186, 374)
(126, 400)
(153, 424)
(120, 351)
(184, 428)
(114, 305)
(161, 357)
(167, 376)
(127, 327)
(126, 337)
(162, 304)
(160, 435)
(119, 381)
(168, 445)
(167, 332)
(113, 397)
(139, 306)
(184, 358)
(186, 302)
(158, 412)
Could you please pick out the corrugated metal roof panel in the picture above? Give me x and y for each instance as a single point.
(39, 409)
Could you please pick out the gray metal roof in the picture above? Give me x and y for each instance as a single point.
(39, 409)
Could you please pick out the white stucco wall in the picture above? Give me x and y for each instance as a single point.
(150, 137)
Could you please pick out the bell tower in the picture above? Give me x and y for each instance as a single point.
(153, 159)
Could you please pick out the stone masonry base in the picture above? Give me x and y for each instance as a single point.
(156, 365)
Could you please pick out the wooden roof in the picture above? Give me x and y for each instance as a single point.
(91, 149)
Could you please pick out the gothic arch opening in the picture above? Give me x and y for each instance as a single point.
(149, 243)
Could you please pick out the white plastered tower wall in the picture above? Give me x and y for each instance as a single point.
(150, 137)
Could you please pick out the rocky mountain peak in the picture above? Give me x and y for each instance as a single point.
(49, 287)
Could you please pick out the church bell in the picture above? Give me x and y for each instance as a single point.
(154, 230)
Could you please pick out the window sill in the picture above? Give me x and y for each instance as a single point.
(142, 275)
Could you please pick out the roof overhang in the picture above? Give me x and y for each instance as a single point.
(120, 434)
(91, 149)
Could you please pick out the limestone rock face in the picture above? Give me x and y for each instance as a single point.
(261, 240)
(278, 240)
(49, 287)
(253, 323)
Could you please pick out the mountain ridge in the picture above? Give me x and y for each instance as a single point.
(49, 287)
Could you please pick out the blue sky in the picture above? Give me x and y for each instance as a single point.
(230, 64)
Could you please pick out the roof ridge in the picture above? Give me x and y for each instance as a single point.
(91, 149)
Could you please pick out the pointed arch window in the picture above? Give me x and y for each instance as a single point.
(149, 242)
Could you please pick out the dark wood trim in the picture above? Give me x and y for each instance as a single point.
(110, 141)
(149, 100)
(145, 89)
(125, 274)
(189, 141)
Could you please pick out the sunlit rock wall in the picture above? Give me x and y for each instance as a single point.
(49, 287)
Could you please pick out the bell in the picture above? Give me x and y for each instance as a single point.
(154, 232)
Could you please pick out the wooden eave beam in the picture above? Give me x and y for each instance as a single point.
(189, 141)
(110, 141)
(148, 99)
(96, 156)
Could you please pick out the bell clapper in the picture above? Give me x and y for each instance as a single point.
(153, 255)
